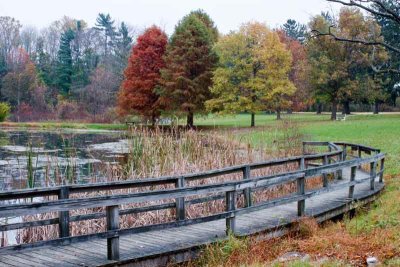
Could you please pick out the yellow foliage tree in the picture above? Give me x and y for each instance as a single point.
(253, 74)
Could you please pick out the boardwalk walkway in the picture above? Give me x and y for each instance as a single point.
(160, 246)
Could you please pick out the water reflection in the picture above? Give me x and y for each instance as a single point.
(56, 157)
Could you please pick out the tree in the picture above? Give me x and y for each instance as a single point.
(253, 72)
(208, 22)
(64, 64)
(105, 24)
(384, 9)
(18, 84)
(295, 30)
(190, 61)
(99, 94)
(299, 72)
(9, 35)
(138, 90)
(122, 49)
(338, 68)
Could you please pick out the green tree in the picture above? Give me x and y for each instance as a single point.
(253, 74)
(105, 23)
(338, 68)
(190, 61)
(295, 30)
(64, 63)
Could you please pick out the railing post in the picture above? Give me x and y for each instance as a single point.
(247, 192)
(344, 152)
(63, 216)
(180, 202)
(373, 174)
(382, 170)
(301, 189)
(112, 213)
(302, 165)
(301, 204)
(230, 206)
(352, 178)
(340, 172)
(359, 155)
(325, 175)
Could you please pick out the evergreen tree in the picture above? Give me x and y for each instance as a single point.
(105, 24)
(190, 61)
(295, 30)
(64, 63)
(122, 49)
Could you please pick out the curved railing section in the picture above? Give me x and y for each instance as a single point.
(337, 157)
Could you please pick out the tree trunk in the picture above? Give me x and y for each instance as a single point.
(376, 107)
(189, 122)
(319, 108)
(278, 114)
(153, 120)
(253, 119)
(346, 107)
(334, 110)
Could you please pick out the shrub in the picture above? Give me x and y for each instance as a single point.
(4, 111)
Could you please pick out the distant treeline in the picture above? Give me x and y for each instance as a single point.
(70, 71)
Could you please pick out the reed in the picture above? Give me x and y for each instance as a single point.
(159, 152)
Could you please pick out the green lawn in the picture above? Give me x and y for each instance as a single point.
(380, 131)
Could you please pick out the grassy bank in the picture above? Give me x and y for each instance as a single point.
(65, 125)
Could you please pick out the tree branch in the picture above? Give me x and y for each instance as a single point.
(358, 41)
(389, 14)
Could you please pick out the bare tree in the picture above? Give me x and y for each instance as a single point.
(9, 35)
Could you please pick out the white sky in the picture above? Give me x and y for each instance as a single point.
(227, 14)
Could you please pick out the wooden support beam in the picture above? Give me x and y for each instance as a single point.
(373, 174)
(301, 204)
(180, 201)
(382, 169)
(325, 175)
(247, 192)
(352, 178)
(112, 213)
(63, 223)
(340, 172)
(230, 199)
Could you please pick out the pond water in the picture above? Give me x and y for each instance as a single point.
(31, 158)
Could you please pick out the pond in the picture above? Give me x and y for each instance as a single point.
(35, 158)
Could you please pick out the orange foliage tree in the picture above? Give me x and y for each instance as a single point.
(137, 94)
(299, 73)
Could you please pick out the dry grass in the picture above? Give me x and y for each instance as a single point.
(155, 153)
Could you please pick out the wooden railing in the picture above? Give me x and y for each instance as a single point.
(309, 165)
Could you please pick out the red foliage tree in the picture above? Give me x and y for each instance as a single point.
(137, 93)
(299, 72)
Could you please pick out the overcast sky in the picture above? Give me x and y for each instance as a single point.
(227, 14)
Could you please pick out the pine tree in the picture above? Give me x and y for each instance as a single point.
(295, 30)
(64, 63)
(105, 24)
(190, 61)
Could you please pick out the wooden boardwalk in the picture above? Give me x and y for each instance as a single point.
(160, 246)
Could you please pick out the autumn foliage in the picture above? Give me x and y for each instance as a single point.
(137, 93)
(299, 72)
